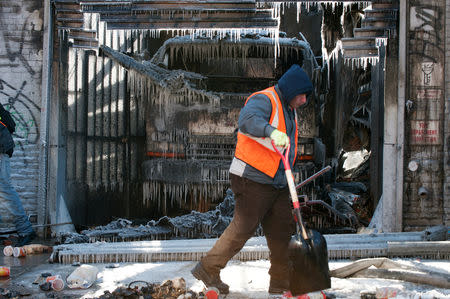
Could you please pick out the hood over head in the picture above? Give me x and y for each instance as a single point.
(294, 82)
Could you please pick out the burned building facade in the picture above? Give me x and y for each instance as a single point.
(122, 119)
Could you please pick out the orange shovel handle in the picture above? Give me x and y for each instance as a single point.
(292, 189)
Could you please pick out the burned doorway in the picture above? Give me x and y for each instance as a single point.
(147, 139)
(195, 87)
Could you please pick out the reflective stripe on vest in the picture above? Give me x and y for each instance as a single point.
(258, 151)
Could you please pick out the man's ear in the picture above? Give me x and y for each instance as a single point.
(308, 100)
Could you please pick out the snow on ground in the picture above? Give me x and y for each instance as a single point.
(247, 280)
(351, 287)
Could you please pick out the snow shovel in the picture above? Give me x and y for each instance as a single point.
(308, 251)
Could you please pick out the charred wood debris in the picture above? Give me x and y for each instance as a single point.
(168, 289)
(340, 208)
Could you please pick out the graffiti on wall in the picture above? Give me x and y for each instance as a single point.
(425, 31)
(16, 55)
(21, 26)
(24, 111)
(423, 181)
(17, 46)
(427, 71)
(427, 75)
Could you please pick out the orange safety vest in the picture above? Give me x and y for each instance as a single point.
(258, 151)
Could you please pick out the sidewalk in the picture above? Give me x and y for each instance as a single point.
(247, 280)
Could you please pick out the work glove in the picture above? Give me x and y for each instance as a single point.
(279, 138)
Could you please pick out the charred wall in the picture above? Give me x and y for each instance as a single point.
(447, 118)
(424, 201)
(105, 132)
(308, 23)
(191, 133)
(345, 101)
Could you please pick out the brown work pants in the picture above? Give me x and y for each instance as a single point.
(256, 203)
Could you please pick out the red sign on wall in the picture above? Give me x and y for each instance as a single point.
(428, 94)
(425, 132)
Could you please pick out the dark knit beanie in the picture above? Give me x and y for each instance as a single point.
(294, 82)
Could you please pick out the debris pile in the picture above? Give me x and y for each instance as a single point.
(5, 293)
(351, 199)
(169, 289)
(342, 208)
(191, 226)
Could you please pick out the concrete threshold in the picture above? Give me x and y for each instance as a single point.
(345, 246)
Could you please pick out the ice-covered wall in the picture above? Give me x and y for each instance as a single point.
(21, 35)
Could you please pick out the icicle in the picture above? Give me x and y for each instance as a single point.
(381, 41)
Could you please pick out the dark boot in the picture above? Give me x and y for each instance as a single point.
(210, 280)
(25, 239)
(278, 286)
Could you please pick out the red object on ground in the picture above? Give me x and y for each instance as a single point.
(4, 271)
(313, 295)
(212, 293)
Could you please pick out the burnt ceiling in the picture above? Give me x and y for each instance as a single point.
(80, 17)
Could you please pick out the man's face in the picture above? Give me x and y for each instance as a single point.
(298, 101)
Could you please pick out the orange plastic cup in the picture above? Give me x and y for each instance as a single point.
(19, 252)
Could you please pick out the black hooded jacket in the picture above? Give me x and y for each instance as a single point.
(6, 140)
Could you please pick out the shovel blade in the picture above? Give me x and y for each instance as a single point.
(309, 260)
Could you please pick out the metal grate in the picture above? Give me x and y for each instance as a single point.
(210, 147)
